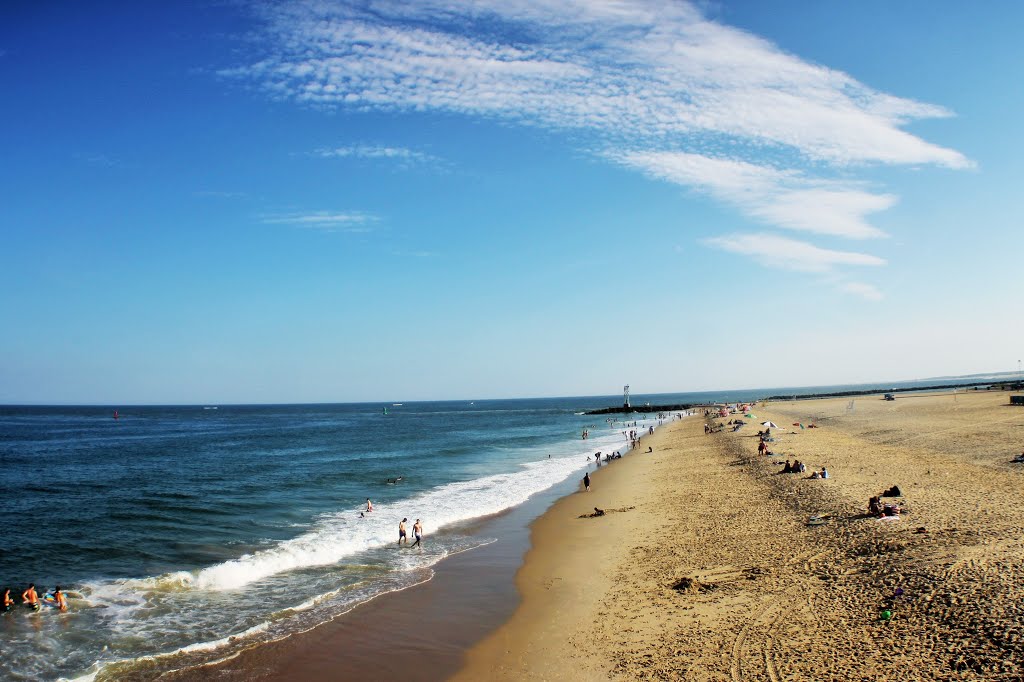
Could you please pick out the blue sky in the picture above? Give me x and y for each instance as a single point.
(382, 200)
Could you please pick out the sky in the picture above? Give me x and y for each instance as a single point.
(231, 202)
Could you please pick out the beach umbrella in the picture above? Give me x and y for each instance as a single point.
(770, 425)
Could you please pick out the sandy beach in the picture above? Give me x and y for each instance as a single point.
(704, 566)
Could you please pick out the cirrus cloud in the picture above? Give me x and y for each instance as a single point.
(325, 221)
(790, 254)
(655, 85)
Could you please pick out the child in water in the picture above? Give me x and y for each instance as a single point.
(60, 599)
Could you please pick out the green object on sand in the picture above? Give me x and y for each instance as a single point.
(887, 615)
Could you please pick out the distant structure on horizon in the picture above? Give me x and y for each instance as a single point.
(625, 396)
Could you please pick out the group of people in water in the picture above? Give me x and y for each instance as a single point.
(607, 458)
(417, 530)
(403, 537)
(30, 599)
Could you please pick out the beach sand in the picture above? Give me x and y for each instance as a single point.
(704, 567)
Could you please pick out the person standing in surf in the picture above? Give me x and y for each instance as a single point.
(8, 602)
(417, 530)
(60, 599)
(401, 533)
(369, 505)
(29, 597)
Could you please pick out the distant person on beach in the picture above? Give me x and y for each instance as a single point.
(586, 481)
(417, 531)
(62, 601)
(369, 505)
(650, 449)
(401, 533)
(30, 598)
(8, 602)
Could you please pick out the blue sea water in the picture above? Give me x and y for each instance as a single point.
(183, 533)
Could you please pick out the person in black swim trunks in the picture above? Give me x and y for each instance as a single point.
(29, 597)
(401, 533)
(8, 602)
(417, 530)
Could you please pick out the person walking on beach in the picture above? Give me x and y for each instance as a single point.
(401, 533)
(30, 598)
(417, 531)
(586, 481)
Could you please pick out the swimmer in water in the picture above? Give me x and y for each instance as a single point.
(62, 601)
(8, 602)
(29, 597)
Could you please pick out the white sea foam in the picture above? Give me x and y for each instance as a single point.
(218, 643)
(344, 534)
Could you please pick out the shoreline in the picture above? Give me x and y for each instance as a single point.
(716, 574)
(421, 632)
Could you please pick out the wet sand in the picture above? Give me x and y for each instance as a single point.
(418, 634)
(714, 574)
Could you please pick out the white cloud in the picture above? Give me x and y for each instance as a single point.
(867, 291)
(790, 254)
(625, 68)
(400, 155)
(787, 199)
(219, 194)
(326, 221)
(654, 84)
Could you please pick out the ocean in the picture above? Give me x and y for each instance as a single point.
(181, 534)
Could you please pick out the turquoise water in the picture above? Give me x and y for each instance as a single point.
(182, 533)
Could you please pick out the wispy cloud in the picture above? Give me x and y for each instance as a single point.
(99, 160)
(219, 194)
(652, 85)
(326, 221)
(401, 157)
(867, 291)
(415, 254)
(784, 198)
(790, 254)
(625, 68)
